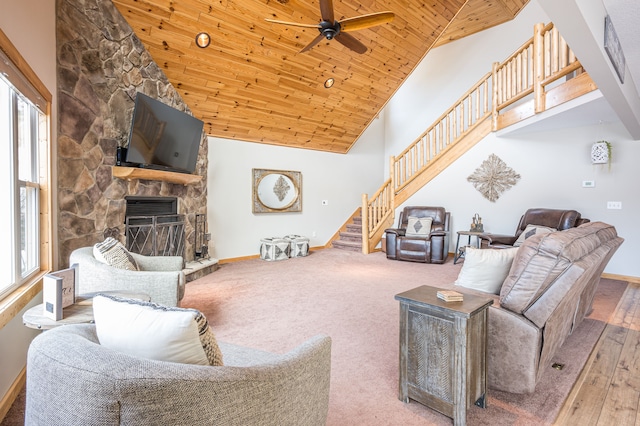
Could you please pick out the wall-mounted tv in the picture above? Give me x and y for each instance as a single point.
(163, 137)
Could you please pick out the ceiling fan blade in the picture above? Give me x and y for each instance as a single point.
(351, 42)
(313, 43)
(295, 24)
(366, 21)
(326, 10)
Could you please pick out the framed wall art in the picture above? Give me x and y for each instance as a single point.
(276, 191)
(613, 48)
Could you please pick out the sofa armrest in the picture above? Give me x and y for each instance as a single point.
(163, 287)
(159, 263)
(438, 234)
(513, 351)
(498, 239)
(398, 232)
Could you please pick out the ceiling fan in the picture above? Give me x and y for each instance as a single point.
(330, 28)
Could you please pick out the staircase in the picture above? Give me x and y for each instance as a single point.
(540, 75)
(351, 238)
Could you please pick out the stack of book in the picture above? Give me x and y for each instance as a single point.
(449, 296)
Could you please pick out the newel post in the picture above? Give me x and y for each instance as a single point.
(365, 224)
(538, 66)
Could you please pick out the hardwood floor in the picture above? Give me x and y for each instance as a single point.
(608, 390)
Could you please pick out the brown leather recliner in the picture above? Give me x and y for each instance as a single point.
(432, 247)
(550, 218)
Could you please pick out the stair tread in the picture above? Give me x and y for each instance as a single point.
(349, 233)
(348, 243)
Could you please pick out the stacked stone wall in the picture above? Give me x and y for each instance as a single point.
(101, 65)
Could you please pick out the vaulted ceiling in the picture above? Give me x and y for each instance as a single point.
(252, 84)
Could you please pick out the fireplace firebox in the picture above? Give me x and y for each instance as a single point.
(153, 226)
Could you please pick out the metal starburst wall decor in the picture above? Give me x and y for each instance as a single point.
(493, 177)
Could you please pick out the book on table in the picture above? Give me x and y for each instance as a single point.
(58, 292)
(450, 296)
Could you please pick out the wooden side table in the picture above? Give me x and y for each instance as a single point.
(79, 313)
(459, 254)
(443, 351)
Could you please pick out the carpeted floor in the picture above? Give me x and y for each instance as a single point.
(276, 305)
(350, 296)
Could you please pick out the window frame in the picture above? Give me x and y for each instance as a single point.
(31, 87)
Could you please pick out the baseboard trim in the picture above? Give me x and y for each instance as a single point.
(635, 280)
(9, 398)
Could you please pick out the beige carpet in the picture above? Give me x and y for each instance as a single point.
(276, 305)
(350, 297)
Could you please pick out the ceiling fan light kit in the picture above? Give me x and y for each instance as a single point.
(331, 29)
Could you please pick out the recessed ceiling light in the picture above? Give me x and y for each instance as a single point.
(329, 82)
(203, 40)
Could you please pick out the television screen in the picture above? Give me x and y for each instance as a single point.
(163, 137)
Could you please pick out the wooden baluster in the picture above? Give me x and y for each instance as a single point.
(539, 64)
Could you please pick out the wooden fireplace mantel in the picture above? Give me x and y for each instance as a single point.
(130, 173)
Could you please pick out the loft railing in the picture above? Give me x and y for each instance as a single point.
(501, 95)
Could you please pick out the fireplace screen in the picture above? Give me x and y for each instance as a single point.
(156, 235)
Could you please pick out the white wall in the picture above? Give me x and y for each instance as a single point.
(446, 73)
(552, 166)
(552, 163)
(339, 178)
(30, 25)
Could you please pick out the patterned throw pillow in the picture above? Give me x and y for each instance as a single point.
(153, 331)
(530, 231)
(418, 226)
(113, 253)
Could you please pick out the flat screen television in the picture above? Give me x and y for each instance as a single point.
(163, 137)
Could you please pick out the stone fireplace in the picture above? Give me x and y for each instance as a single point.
(101, 65)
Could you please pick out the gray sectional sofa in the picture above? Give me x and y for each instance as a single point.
(73, 380)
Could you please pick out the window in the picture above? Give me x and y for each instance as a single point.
(23, 133)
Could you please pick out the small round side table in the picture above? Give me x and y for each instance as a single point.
(459, 254)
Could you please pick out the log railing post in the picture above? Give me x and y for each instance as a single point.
(494, 97)
(365, 223)
(538, 65)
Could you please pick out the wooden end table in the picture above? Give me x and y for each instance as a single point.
(443, 351)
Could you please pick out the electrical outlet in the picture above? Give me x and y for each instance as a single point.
(615, 205)
(588, 183)
(313, 234)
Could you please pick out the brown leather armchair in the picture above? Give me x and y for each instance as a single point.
(430, 247)
(550, 218)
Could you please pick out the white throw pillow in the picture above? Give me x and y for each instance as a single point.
(149, 330)
(485, 269)
(112, 252)
(530, 231)
(418, 226)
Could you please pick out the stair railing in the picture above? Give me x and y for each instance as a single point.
(473, 107)
(541, 61)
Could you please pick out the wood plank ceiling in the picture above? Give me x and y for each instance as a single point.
(251, 83)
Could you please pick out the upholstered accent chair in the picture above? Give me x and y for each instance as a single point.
(534, 221)
(422, 235)
(161, 277)
(73, 380)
